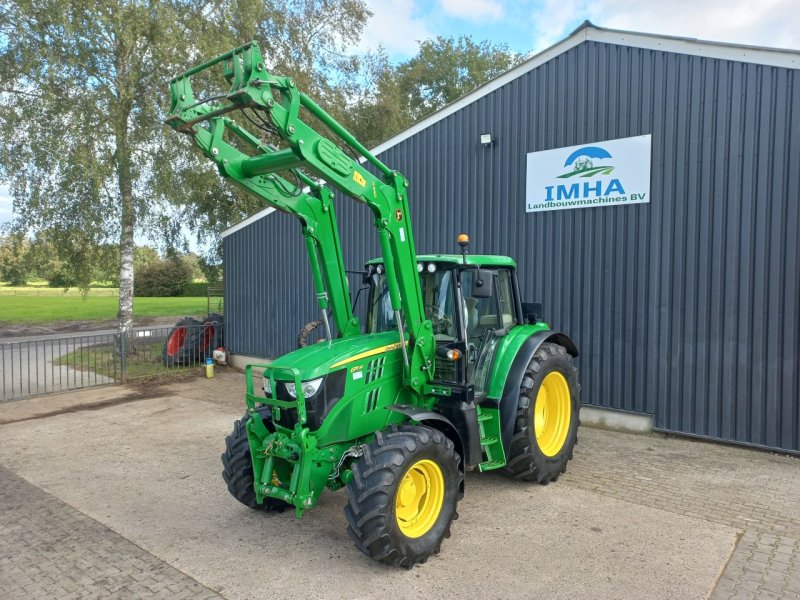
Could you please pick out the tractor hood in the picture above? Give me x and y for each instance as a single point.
(321, 358)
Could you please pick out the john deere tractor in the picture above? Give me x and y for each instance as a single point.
(451, 371)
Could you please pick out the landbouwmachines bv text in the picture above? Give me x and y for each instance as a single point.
(451, 371)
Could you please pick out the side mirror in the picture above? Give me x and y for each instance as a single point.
(532, 311)
(483, 286)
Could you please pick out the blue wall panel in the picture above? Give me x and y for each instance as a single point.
(685, 308)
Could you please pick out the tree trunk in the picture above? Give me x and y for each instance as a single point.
(121, 111)
(126, 243)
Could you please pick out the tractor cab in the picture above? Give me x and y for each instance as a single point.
(472, 302)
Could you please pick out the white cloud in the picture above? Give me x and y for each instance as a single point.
(767, 22)
(473, 10)
(774, 23)
(397, 25)
(552, 20)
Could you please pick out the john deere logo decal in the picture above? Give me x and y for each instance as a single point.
(587, 162)
(613, 172)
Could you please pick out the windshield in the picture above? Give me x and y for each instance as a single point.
(437, 298)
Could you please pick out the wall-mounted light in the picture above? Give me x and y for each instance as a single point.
(486, 139)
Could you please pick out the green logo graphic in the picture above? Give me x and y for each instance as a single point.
(582, 165)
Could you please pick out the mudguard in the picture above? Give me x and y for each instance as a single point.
(439, 422)
(509, 400)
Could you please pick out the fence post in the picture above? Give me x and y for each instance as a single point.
(123, 341)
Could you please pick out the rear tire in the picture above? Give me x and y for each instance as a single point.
(237, 466)
(304, 337)
(403, 495)
(210, 336)
(543, 457)
(180, 347)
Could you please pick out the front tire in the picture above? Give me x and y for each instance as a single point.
(403, 495)
(546, 427)
(237, 465)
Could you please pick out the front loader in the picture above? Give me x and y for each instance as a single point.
(451, 371)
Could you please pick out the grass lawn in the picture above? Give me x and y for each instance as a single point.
(144, 362)
(46, 308)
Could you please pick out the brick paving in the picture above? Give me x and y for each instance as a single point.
(764, 566)
(755, 492)
(50, 550)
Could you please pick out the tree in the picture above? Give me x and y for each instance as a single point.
(377, 107)
(445, 69)
(83, 87)
(14, 259)
(144, 255)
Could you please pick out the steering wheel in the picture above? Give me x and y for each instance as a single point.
(441, 321)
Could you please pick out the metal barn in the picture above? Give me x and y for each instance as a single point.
(685, 304)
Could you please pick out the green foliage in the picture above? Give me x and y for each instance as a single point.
(163, 279)
(15, 259)
(445, 69)
(145, 255)
(61, 262)
(391, 98)
(192, 261)
(195, 288)
(212, 271)
(82, 143)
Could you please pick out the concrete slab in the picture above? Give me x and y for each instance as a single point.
(149, 470)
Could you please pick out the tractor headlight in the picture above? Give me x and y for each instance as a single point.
(267, 386)
(431, 268)
(310, 388)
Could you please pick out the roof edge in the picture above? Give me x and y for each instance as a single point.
(256, 216)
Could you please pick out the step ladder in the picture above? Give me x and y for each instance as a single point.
(491, 440)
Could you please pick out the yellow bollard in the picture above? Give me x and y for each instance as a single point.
(209, 368)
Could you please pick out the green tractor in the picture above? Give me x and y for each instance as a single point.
(451, 372)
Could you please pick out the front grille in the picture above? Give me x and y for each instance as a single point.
(318, 407)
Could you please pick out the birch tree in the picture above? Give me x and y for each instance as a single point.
(83, 91)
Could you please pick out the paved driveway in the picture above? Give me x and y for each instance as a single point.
(634, 517)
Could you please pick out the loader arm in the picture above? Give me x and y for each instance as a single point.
(278, 102)
(312, 206)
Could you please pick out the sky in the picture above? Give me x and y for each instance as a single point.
(529, 26)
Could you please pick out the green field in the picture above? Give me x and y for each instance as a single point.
(27, 308)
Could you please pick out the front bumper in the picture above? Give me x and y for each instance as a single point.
(287, 466)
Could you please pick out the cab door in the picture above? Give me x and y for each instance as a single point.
(488, 312)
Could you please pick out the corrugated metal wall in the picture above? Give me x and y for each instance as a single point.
(685, 308)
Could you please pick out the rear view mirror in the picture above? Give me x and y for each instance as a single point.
(532, 311)
(482, 288)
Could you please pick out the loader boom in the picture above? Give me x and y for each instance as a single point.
(304, 154)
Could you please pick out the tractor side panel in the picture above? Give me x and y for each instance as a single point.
(371, 384)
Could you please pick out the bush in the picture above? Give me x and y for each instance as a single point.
(59, 279)
(163, 278)
(195, 288)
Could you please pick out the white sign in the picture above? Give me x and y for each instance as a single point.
(610, 173)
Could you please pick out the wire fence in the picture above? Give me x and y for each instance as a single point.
(52, 364)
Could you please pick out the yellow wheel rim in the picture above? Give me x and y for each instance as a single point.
(420, 496)
(552, 413)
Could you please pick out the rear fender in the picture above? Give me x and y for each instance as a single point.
(510, 398)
